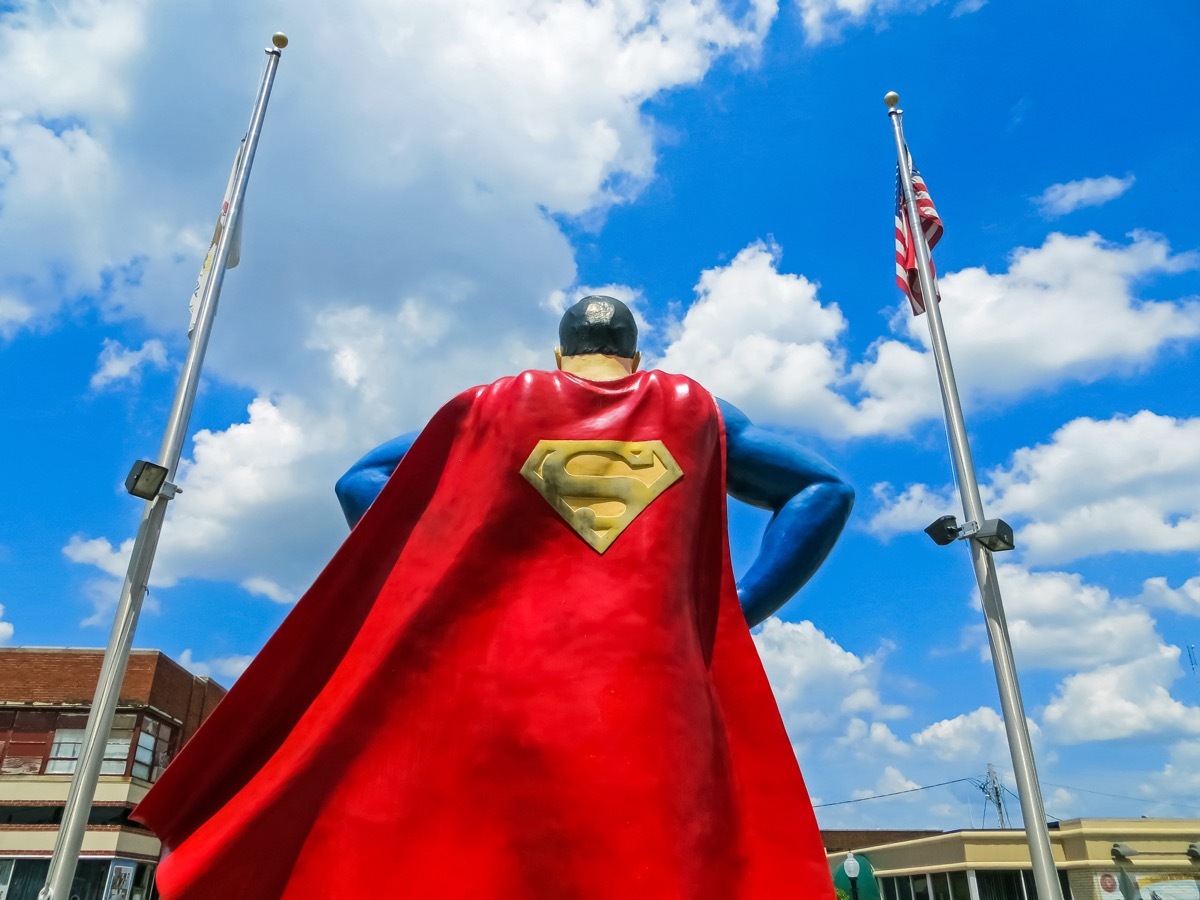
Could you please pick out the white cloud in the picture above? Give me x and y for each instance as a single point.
(257, 505)
(1061, 803)
(264, 587)
(6, 628)
(1122, 700)
(224, 669)
(1129, 483)
(762, 339)
(1058, 621)
(1178, 780)
(971, 737)
(1184, 599)
(826, 20)
(118, 363)
(966, 7)
(64, 79)
(99, 39)
(910, 510)
(1120, 667)
(867, 739)
(818, 684)
(13, 314)
(104, 591)
(891, 781)
(58, 190)
(1065, 311)
(99, 552)
(1060, 199)
(1126, 483)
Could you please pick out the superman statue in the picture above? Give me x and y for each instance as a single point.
(527, 673)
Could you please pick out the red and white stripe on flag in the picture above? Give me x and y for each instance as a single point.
(906, 254)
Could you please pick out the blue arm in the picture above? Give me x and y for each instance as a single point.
(810, 502)
(358, 488)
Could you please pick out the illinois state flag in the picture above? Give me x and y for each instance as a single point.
(906, 254)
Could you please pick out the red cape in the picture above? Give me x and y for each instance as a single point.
(471, 702)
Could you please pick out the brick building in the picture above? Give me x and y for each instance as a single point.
(44, 698)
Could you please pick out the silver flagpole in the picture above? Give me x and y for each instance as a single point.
(160, 491)
(1036, 833)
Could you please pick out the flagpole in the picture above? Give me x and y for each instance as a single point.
(1028, 790)
(82, 792)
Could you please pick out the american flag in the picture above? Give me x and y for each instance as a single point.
(906, 254)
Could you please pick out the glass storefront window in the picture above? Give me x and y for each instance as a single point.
(999, 886)
(920, 887)
(941, 886)
(959, 887)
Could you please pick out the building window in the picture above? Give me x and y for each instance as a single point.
(1000, 886)
(68, 744)
(153, 750)
(28, 737)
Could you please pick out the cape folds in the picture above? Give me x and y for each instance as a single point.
(471, 702)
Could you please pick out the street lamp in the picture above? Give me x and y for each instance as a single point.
(851, 867)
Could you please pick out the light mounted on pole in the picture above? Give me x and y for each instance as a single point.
(995, 534)
(852, 868)
(148, 480)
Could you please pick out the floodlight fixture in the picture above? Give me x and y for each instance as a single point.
(146, 479)
(996, 535)
(944, 531)
(1124, 851)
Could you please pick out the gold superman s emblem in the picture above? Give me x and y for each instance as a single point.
(599, 487)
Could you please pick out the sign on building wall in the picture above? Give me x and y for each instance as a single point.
(120, 881)
(1124, 885)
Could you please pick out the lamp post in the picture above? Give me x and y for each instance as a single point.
(851, 867)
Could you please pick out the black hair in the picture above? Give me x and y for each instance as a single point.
(598, 324)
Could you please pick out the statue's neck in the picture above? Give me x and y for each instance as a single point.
(597, 366)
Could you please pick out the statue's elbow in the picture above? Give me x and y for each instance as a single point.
(842, 499)
(347, 489)
(344, 487)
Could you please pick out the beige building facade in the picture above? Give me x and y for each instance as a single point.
(1097, 859)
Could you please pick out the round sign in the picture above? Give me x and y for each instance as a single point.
(1108, 883)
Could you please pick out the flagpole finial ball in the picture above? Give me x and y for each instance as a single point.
(891, 98)
(279, 39)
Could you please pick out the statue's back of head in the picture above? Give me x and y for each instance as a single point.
(598, 324)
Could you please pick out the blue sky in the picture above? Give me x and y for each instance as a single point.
(435, 181)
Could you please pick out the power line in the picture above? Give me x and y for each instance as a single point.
(982, 785)
(1191, 806)
(892, 794)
